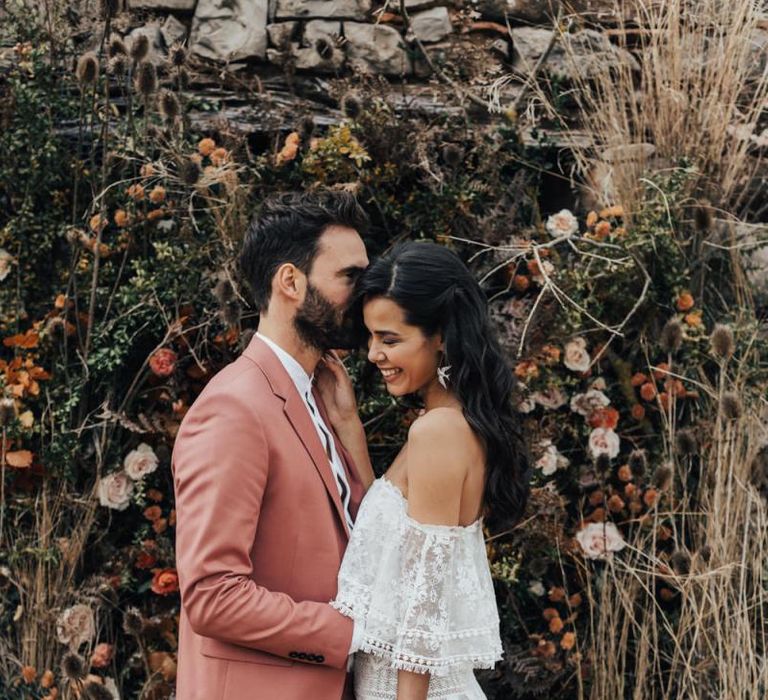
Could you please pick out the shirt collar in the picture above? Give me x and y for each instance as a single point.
(298, 374)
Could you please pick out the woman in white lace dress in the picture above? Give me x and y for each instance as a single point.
(415, 576)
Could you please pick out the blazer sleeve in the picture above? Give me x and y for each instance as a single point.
(220, 464)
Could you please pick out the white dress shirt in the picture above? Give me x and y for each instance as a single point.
(303, 383)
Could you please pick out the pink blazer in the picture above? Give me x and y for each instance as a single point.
(260, 535)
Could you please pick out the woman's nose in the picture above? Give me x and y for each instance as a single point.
(374, 353)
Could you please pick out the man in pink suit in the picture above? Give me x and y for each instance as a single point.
(265, 493)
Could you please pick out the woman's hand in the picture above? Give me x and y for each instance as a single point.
(336, 390)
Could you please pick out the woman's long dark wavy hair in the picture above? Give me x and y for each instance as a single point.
(438, 294)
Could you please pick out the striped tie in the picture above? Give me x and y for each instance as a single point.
(340, 481)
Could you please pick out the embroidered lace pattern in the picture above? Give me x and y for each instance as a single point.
(423, 593)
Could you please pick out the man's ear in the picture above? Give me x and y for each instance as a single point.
(289, 282)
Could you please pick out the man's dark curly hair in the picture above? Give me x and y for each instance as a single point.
(287, 230)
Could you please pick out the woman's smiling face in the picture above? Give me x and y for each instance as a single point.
(406, 358)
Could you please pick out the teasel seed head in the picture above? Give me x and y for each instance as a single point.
(177, 55)
(306, 128)
(681, 562)
(351, 105)
(7, 411)
(73, 667)
(97, 691)
(453, 155)
(730, 404)
(702, 216)
(638, 463)
(182, 79)
(671, 336)
(722, 342)
(686, 442)
(116, 47)
(189, 172)
(118, 65)
(231, 313)
(109, 8)
(169, 106)
(139, 47)
(56, 328)
(87, 68)
(760, 469)
(705, 553)
(133, 622)
(662, 477)
(224, 291)
(146, 78)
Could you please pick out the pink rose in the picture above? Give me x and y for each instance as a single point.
(551, 398)
(576, 357)
(586, 404)
(102, 655)
(550, 460)
(75, 626)
(140, 462)
(600, 540)
(163, 362)
(603, 441)
(115, 490)
(564, 223)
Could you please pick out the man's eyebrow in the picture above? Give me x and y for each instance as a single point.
(355, 269)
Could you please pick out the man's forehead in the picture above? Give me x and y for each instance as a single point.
(344, 245)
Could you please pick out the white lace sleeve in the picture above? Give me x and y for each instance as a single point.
(423, 592)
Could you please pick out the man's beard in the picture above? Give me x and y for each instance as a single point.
(321, 325)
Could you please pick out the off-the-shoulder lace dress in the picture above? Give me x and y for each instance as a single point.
(425, 597)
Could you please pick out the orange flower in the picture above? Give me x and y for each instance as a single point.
(661, 370)
(605, 417)
(206, 146)
(650, 497)
(602, 230)
(147, 170)
(46, 680)
(665, 400)
(666, 594)
(597, 515)
(165, 582)
(674, 387)
(556, 595)
(625, 473)
(152, 513)
(102, 655)
(596, 498)
(163, 362)
(616, 212)
(156, 214)
(556, 625)
(155, 495)
(568, 641)
(551, 354)
(136, 192)
(290, 149)
(96, 222)
(121, 218)
(145, 560)
(591, 219)
(648, 391)
(575, 600)
(172, 517)
(615, 504)
(157, 194)
(693, 319)
(684, 302)
(630, 490)
(550, 614)
(545, 648)
(638, 412)
(526, 369)
(638, 378)
(28, 673)
(663, 533)
(521, 282)
(160, 525)
(219, 156)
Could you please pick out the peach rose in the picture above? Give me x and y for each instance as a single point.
(115, 490)
(603, 441)
(564, 223)
(163, 362)
(76, 626)
(102, 655)
(600, 540)
(576, 355)
(165, 582)
(140, 462)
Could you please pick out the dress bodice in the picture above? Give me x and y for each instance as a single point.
(423, 592)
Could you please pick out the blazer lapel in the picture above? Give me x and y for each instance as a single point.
(298, 416)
